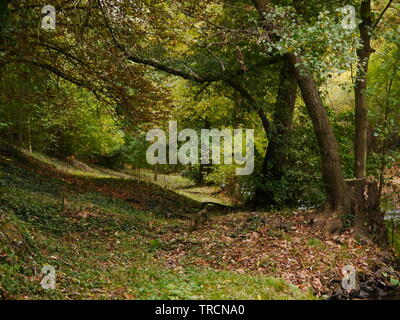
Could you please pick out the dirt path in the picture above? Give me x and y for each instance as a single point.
(184, 187)
(139, 229)
(279, 244)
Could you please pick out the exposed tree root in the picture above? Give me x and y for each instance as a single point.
(362, 213)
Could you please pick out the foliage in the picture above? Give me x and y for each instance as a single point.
(101, 246)
(60, 119)
(384, 97)
(325, 46)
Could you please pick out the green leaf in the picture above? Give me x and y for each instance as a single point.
(394, 282)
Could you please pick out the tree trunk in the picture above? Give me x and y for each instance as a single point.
(275, 159)
(276, 156)
(355, 199)
(338, 200)
(353, 203)
(361, 107)
(332, 173)
(367, 219)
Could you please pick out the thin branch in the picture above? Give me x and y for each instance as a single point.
(180, 73)
(381, 15)
(242, 90)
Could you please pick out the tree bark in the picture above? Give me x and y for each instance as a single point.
(361, 106)
(275, 159)
(359, 199)
(332, 173)
(276, 155)
(336, 189)
(367, 218)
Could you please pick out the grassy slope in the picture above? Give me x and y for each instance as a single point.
(102, 246)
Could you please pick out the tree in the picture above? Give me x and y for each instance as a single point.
(276, 156)
(278, 132)
(105, 50)
(342, 199)
(77, 52)
(330, 158)
(367, 27)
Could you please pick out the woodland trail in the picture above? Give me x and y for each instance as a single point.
(113, 235)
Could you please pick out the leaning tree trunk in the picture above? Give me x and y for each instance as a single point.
(335, 185)
(343, 199)
(275, 159)
(350, 204)
(361, 107)
(276, 156)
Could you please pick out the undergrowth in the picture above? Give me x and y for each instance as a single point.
(101, 245)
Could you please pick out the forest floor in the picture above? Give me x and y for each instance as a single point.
(121, 235)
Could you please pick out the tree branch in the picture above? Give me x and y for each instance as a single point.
(170, 70)
(242, 90)
(381, 15)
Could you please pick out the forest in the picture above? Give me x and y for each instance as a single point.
(199, 150)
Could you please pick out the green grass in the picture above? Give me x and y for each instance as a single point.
(101, 246)
(181, 185)
(165, 180)
(313, 242)
(211, 284)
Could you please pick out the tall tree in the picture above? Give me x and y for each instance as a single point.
(358, 198)
(277, 130)
(275, 160)
(361, 108)
(332, 173)
(366, 28)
